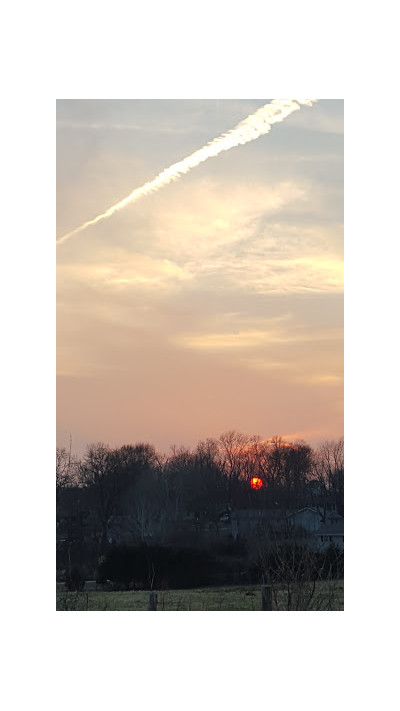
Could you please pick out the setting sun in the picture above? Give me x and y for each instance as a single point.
(256, 482)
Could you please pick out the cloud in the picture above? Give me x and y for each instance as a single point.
(112, 126)
(289, 276)
(280, 330)
(211, 216)
(238, 235)
(192, 261)
(118, 268)
(323, 379)
(224, 341)
(230, 234)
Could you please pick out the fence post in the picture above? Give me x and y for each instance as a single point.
(266, 597)
(152, 601)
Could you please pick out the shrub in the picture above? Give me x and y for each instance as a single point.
(123, 565)
(331, 563)
(190, 567)
(159, 567)
(75, 579)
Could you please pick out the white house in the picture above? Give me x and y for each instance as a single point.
(324, 529)
(310, 519)
(315, 527)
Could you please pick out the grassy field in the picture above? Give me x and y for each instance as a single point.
(327, 596)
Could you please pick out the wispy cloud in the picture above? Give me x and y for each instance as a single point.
(211, 216)
(273, 333)
(240, 236)
(122, 269)
(112, 126)
(298, 275)
(229, 341)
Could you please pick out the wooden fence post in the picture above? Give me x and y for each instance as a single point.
(266, 597)
(152, 601)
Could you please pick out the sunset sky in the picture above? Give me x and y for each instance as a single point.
(213, 304)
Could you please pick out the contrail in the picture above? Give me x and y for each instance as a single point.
(252, 127)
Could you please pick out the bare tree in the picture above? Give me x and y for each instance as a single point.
(208, 485)
(67, 468)
(255, 457)
(100, 473)
(328, 469)
(330, 462)
(177, 470)
(276, 459)
(301, 577)
(232, 458)
(146, 508)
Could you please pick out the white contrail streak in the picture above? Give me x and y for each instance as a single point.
(255, 125)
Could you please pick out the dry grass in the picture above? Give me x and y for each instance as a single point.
(328, 595)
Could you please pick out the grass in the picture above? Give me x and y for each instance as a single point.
(329, 595)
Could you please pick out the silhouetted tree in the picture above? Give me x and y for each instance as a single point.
(328, 469)
(207, 488)
(67, 468)
(101, 474)
(232, 456)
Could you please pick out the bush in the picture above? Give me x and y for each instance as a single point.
(287, 562)
(75, 579)
(331, 563)
(189, 568)
(123, 565)
(156, 567)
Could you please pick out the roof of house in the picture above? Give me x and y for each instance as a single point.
(313, 509)
(254, 514)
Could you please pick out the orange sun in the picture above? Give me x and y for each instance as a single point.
(256, 482)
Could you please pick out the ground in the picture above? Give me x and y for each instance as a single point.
(327, 595)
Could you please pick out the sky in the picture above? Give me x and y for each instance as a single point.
(213, 304)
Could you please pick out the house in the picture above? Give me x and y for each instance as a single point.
(312, 526)
(330, 534)
(323, 527)
(309, 519)
(247, 522)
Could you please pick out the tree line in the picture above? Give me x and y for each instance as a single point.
(168, 499)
